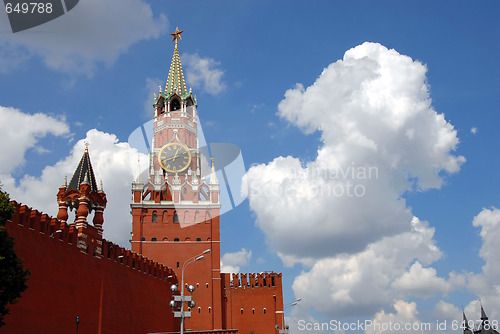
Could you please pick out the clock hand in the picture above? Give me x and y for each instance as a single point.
(175, 156)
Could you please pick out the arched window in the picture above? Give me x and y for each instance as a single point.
(153, 239)
(165, 217)
(198, 239)
(143, 239)
(241, 310)
(176, 218)
(165, 239)
(176, 239)
(188, 239)
(199, 309)
(209, 309)
(208, 217)
(175, 104)
(154, 218)
(265, 310)
(253, 311)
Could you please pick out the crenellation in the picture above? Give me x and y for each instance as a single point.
(253, 280)
(35, 221)
(35, 217)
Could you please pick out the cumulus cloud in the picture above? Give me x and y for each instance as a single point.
(381, 138)
(113, 162)
(231, 262)
(444, 311)
(404, 319)
(15, 142)
(489, 221)
(92, 33)
(473, 130)
(485, 284)
(343, 214)
(362, 283)
(421, 281)
(204, 73)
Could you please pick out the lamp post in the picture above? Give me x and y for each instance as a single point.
(284, 330)
(77, 322)
(183, 314)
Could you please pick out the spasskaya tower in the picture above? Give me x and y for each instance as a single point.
(175, 212)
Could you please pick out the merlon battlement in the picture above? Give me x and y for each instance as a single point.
(252, 280)
(53, 229)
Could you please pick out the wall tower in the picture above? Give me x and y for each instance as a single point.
(83, 196)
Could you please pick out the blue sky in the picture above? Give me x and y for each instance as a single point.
(91, 74)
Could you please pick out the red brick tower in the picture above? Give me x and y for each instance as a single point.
(83, 196)
(175, 212)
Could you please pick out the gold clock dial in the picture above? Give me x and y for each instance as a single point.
(174, 157)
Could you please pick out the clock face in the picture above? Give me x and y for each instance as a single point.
(174, 157)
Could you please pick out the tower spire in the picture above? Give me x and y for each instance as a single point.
(83, 172)
(175, 80)
(483, 314)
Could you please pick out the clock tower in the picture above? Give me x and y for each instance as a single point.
(175, 209)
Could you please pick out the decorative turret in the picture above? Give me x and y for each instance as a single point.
(83, 196)
(484, 327)
(465, 322)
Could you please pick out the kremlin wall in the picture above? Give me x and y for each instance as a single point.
(110, 293)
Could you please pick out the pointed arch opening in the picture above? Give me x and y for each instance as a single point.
(175, 104)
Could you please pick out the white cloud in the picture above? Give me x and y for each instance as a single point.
(489, 221)
(15, 142)
(381, 138)
(473, 130)
(404, 320)
(421, 281)
(231, 262)
(113, 162)
(344, 213)
(486, 284)
(362, 283)
(444, 311)
(94, 32)
(204, 73)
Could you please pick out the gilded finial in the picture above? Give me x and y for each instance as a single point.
(86, 146)
(212, 158)
(176, 35)
(159, 88)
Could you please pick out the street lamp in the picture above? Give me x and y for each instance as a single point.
(77, 322)
(284, 330)
(185, 314)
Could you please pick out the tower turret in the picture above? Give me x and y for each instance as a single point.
(83, 196)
